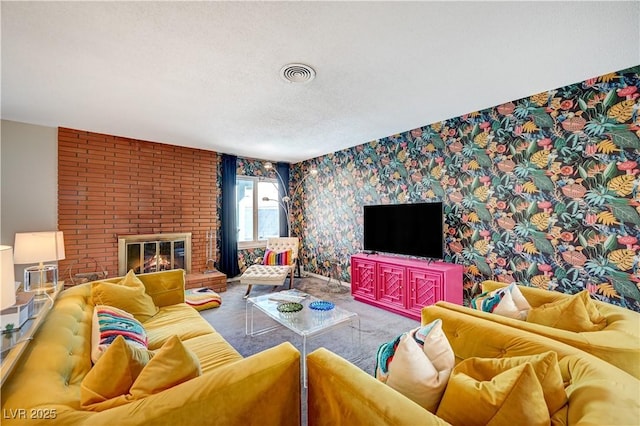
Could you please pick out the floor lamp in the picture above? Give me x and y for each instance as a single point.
(39, 247)
(287, 202)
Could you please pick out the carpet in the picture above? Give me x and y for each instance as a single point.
(377, 326)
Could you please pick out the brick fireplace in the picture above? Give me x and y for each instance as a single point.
(109, 186)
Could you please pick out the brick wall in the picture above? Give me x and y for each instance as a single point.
(109, 186)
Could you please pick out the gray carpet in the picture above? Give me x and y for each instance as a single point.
(377, 326)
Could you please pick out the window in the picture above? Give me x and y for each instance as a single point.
(257, 212)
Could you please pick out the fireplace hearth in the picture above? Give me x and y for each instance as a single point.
(154, 252)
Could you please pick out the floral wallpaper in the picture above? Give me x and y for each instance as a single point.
(544, 191)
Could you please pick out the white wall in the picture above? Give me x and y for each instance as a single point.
(28, 179)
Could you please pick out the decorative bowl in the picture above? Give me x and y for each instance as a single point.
(289, 309)
(321, 305)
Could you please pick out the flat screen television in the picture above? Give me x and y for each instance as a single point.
(406, 229)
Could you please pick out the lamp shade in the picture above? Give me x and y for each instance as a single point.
(37, 247)
(7, 279)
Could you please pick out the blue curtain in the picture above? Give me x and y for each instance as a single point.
(283, 171)
(229, 234)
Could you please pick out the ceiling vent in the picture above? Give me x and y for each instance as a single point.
(297, 73)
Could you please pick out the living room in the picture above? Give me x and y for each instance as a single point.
(405, 167)
(539, 188)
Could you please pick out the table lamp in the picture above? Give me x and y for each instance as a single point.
(39, 247)
(7, 279)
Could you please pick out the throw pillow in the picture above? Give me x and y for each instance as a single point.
(112, 375)
(129, 295)
(509, 397)
(172, 364)
(109, 323)
(202, 298)
(282, 258)
(507, 301)
(420, 365)
(169, 366)
(545, 366)
(577, 313)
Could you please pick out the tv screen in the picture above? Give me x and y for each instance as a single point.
(407, 229)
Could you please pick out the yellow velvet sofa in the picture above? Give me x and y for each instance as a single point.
(618, 343)
(339, 393)
(232, 390)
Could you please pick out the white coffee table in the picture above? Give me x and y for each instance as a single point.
(307, 323)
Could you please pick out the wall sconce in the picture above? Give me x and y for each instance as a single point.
(39, 247)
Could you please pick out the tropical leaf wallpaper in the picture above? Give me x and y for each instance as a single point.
(544, 191)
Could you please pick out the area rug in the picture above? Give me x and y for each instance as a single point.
(377, 326)
(202, 298)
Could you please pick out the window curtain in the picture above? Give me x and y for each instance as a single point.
(229, 234)
(283, 171)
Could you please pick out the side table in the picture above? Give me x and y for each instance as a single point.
(15, 342)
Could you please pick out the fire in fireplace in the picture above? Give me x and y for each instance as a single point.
(154, 252)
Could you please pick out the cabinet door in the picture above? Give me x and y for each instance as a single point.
(391, 285)
(425, 288)
(363, 278)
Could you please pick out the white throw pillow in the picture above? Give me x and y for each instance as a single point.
(420, 372)
(507, 302)
(519, 300)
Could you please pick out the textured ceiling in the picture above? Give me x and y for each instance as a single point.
(206, 74)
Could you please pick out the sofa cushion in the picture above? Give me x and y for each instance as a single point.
(507, 301)
(128, 294)
(577, 313)
(172, 364)
(505, 397)
(420, 365)
(212, 351)
(109, 323)
(113, 374)
(280, 258)
(180, 320)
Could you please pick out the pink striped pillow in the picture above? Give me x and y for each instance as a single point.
(283, 258)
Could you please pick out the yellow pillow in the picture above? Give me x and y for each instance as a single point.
(577, 313)
(545, 366)
(117, 382)
(129, 295)
(511, 397)
(172, 364)
(112, 375)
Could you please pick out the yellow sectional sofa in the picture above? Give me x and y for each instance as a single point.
(232, 390)
(598, 393)
(618, 343)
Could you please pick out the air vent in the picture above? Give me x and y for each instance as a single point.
(297, 73)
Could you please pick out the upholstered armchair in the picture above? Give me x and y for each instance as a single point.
(273, 268)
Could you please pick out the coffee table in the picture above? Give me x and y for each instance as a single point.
(306, 323)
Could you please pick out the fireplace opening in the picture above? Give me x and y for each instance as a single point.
(154, 252)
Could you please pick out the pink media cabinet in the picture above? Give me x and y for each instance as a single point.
(404, 285)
